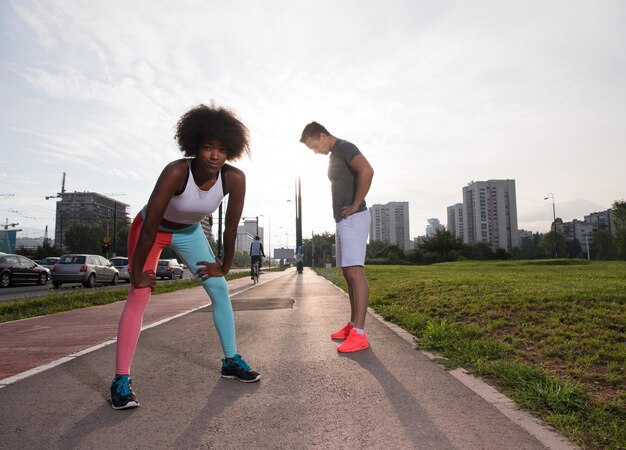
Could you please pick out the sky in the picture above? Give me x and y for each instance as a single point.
(434, 94)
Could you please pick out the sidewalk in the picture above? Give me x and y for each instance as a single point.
(389, 396)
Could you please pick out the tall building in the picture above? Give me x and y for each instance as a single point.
(601, 221)
(87, 208)
(579, 230)
(455, 220)
(390, 223)
(246, 234)
(252, 227)
(207, 227)
(244, 240)
(490, 213)
(433, 226)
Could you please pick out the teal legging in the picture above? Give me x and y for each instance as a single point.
(192, 246)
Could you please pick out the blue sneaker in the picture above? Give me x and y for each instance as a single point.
(237, 368)
(122, 395)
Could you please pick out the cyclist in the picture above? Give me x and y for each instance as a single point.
(256, 252)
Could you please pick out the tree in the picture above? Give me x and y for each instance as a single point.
(392, 252)
(501, 253)
(81, 238)
(528, 247)
(441, 243)
(603, 247)
(318, 246)
(619, 224)
(46, 250)
(375, 249)
(574, 249)
(546, 246)
(478, 251)
(415, 256)
(121, 242)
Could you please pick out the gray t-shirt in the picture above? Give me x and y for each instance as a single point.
(343, 177)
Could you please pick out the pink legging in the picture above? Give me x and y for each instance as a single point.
(192, 246)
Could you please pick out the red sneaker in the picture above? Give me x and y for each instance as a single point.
(343, 333)
(353, 343)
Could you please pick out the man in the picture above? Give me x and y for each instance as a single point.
(350, 177)
(256, 252)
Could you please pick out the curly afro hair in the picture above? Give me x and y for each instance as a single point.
(203, 123)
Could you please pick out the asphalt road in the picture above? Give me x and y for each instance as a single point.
(389, 396)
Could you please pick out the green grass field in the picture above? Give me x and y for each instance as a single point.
(550, 333)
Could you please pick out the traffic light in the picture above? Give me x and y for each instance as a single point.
(106, 245)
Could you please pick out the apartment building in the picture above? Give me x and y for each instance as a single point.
(390, 223)
(490, 213)
(88, 208)
(455, 219)
(433, 226)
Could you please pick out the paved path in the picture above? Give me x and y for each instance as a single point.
(389, 396)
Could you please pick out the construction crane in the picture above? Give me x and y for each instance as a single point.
(7, 224)
(60, 194)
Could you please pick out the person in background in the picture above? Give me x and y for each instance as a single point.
(256, 253)
(350, 177)
(187, 190)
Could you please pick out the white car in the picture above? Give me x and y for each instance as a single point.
(121, 264)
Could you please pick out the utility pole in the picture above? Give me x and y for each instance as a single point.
(219, 231)
(114, 240)
(556, 245)
(59, 195)
(298, 216)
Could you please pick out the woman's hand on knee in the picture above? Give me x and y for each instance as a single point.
(146, 279)
(210, 269)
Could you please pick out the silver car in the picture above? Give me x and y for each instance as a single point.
(86, 269)
(121, 264)
(170, 268)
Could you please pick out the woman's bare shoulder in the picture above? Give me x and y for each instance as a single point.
(233, 172)
(178, 167)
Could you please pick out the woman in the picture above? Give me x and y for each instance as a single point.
(188, 190)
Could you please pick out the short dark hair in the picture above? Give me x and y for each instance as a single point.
(313, 131)
(203, 123)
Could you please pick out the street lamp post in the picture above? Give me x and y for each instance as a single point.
(556, 246)
(269, 239)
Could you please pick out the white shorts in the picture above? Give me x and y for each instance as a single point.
(351, 239)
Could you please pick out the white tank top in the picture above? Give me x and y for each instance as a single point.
(194, 204)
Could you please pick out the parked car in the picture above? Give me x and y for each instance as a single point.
(86, 269)
(169, 268)
(49, 261)
(121, 264)
(20, 269)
